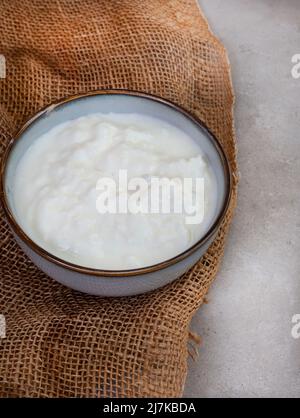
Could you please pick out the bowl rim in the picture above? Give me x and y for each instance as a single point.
(115, 273)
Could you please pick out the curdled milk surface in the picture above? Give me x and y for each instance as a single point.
(55, 190)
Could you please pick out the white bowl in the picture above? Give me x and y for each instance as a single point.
(114, 282)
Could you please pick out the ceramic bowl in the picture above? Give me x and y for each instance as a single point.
(114, 282)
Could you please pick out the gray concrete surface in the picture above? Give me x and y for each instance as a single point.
(248, 349)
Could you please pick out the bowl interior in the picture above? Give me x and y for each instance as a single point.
(118, 103)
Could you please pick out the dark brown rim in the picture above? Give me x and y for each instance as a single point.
(117, 273)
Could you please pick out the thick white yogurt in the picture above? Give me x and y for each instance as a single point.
(55, 190)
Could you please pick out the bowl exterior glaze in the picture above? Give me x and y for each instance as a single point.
(113, 286)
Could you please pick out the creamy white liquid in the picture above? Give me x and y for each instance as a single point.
(55, 190)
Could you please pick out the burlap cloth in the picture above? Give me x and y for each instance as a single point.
(60, 342)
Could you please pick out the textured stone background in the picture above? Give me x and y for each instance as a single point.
(247, 347)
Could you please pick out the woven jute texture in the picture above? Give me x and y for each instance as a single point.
(60, 342)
